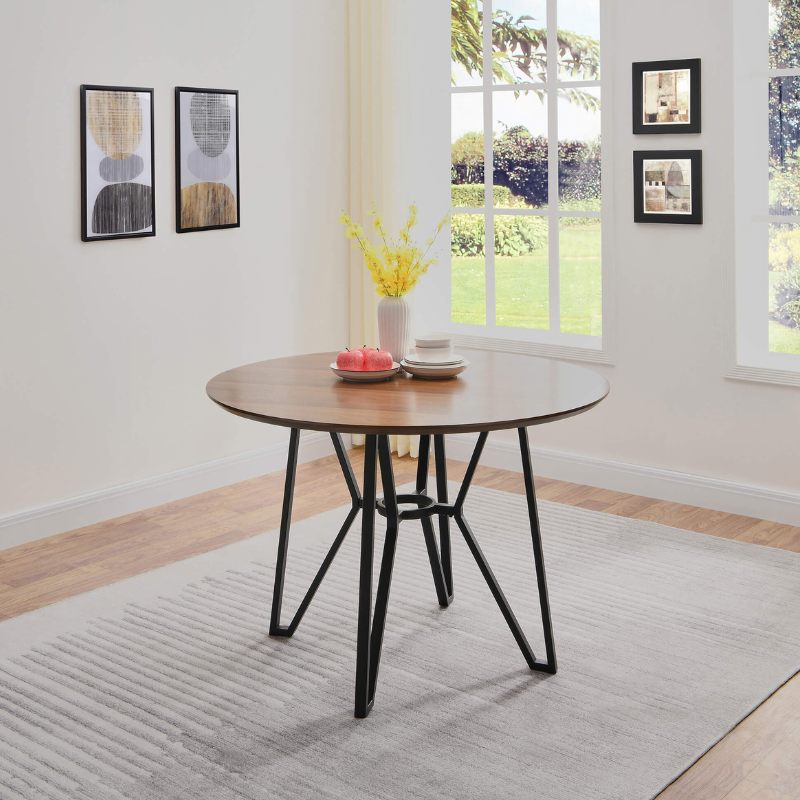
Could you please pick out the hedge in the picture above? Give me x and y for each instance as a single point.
(513, 235)
(787, 299)
(784, 259)
(471, 195)
(520, 164)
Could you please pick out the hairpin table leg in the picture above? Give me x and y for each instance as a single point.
(371, 628)
(275, 627)
(548, 665)
(444, 520)
(444, 588)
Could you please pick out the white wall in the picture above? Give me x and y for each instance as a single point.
(106, 348)
(670, 406)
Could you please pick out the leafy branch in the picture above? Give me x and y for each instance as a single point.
(519, 51)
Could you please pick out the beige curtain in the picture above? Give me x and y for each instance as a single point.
(370, 163)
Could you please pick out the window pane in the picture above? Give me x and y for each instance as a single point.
(579, 149)
(468, 265)
(579, 39)
(784, 288)
(520, 148)
(521, 272)
(466, 42)
(784, 141)
(466, 150)
(784, 34)
(580, 276)
(519, 36)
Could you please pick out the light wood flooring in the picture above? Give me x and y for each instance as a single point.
(758, 760)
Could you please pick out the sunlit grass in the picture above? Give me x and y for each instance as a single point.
(783, 339)
(468, 290)
(521, 293)
(581, 280)
(522, 286)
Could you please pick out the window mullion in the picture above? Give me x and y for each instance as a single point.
(552, 166)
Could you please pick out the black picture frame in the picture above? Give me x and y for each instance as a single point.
(86, 234)
(179, 227)
(642, 126)
(640, 212)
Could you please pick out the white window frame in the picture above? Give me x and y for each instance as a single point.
(747, 286)
(552, 342)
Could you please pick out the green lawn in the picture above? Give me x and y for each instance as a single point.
(522, 286)
(468, 290)
(521, 299)
(782, 339)
(581, 280)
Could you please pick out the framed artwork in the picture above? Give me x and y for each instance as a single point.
(206, 159)
(666, 96)
(668, 186)
(118, 177)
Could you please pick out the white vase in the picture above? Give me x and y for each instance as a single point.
(394, 326)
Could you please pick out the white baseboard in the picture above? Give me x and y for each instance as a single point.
(77, 512)
(677, 487)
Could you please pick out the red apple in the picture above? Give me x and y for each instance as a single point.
(351, 360)
(375, 360)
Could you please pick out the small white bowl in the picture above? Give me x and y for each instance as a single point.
(434, 340)
(433, 355)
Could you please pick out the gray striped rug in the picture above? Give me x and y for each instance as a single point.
(167, 685)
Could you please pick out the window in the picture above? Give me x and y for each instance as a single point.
(767, 175)
(526, 249)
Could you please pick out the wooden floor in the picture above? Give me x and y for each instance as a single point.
(758, 760)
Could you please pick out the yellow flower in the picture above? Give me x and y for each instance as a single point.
(395, 268)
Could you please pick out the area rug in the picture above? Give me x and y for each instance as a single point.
(168, 686)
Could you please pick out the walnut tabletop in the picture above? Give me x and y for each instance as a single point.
(497, 391)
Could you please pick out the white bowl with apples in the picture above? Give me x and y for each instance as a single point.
(365, 364)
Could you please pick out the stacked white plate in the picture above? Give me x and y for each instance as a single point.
(433, 372)
(433, 358)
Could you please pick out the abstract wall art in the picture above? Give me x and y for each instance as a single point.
(206, 159)
(117, 163)
(668, 186)
(666, 96)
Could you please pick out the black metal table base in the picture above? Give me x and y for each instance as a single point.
(371, 625)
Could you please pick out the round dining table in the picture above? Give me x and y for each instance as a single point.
(499, 391)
